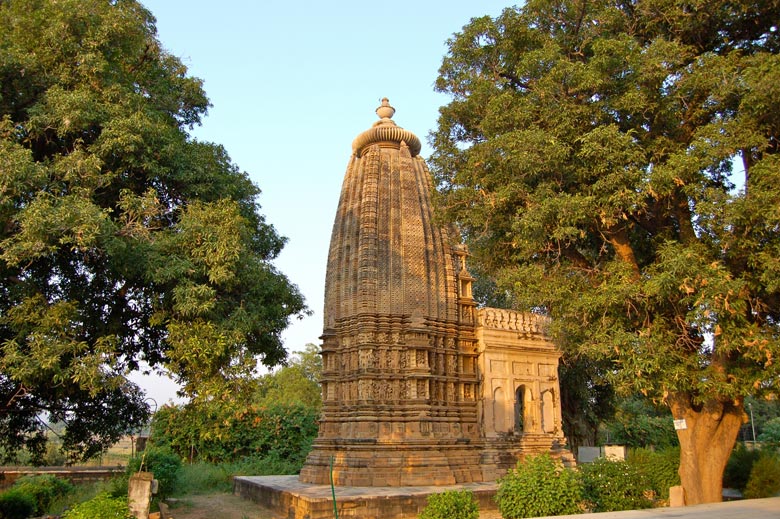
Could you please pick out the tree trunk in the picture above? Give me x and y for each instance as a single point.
(706, 443)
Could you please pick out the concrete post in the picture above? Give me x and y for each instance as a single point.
(139, 494)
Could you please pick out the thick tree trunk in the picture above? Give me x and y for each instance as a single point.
(706, 441)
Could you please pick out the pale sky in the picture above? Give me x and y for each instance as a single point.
(292, 84)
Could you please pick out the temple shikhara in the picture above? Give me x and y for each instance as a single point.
(420, 386)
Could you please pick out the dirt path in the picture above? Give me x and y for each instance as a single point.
(228, 506)
(222, 506)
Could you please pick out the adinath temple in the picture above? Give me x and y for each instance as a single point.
(419, 385)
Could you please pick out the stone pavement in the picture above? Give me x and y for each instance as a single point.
(746, 509)
(290, 498)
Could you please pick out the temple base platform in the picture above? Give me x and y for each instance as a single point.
(288, 498)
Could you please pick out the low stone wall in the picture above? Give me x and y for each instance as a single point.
(9, 475)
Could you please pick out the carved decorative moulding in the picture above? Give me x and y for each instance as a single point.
(386, 132)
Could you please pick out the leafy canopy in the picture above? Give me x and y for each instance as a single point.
(124, 242)
(614, 164)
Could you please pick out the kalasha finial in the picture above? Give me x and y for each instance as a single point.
(385, 111)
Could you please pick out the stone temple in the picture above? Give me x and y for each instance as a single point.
(419, 385)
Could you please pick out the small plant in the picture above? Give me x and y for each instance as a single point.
(539, 486)
(613, 485)
(452, 504)
(764, 479)
(103, 506)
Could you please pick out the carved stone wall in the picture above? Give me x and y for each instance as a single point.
(419, 387)
(399, 356)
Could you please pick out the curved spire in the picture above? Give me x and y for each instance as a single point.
(386, 133)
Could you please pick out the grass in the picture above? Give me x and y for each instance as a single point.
(205, 478)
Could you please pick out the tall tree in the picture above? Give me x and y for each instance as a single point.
(296, 383)
(614, 164)
(122, 239)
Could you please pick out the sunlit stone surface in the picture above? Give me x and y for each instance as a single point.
(419, 387)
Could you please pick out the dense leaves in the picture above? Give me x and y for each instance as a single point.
(452, 504)
(639, 424)
(124, 243)
(224, 433)
(614, 485)
(539, 486)
(615, 165)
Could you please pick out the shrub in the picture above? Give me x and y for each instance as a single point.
(218, 433)
(771, 431)
(103, 506)
(44, 489)
(659, 467)
(611, 486)
(15, 504)
(32, 495)
(739, 467)
(163, 463)
(539, 486)
(764, 479)
(452, 504)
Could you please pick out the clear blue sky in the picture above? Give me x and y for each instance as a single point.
(292, 84)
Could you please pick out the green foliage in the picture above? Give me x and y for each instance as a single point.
(44, 489)
(16, 504)
(204, 478)
(764, 479)
(659, 467)
(297, 383)
(452, 504)
(637, 423)
(163, 463)
(226, 433)
(122, 238)
(103, 505)
(646, 222)
(771, 432)
(739, 467)
(539, 486)
(612, 485)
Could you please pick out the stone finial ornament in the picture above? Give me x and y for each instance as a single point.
(385, 111)
(386, 133)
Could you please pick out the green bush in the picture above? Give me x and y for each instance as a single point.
(218, 433)
(771, 431)
(44, 489)
(102, 506)
(539, 486)
(452, 504)
(739, 467)
(764, 479)
(16, 504)
(659, 467)
(163, 463)
(32, 495)
(611, 486)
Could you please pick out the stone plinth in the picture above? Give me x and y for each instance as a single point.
(291, 499)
